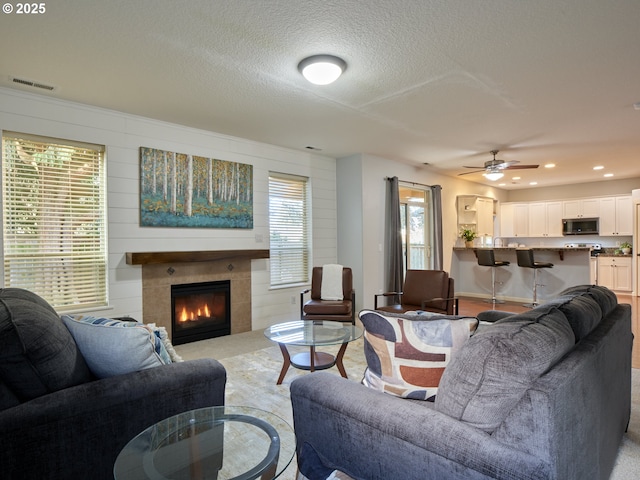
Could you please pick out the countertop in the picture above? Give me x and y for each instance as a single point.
(541, 249)
(561, 250)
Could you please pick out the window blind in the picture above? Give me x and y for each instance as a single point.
(54, 220)
(288, 229)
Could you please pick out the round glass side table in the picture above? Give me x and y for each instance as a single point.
(220, 443)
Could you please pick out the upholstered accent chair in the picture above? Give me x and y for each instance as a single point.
(317, 308)
(430, 290)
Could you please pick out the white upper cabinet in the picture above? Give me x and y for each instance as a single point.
(581, 208)
(485, 216)
(514, 220)
(616, 216)
(545, 219)
(476, 213)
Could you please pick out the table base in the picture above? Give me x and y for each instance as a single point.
(311, 361)
(321, 361)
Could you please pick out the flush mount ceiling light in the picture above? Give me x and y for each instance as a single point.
(493, 175)
(322, 69)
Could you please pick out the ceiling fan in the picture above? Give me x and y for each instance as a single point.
(493, 168)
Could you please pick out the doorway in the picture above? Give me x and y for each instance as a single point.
(417, 227)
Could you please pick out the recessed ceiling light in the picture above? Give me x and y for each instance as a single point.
(608, 174)
(501, 184)
(515, 178)
(533, 183)
(550, 165)
(598, 167)
(322, 69)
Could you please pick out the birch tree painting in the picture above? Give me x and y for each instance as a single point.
(180, 190)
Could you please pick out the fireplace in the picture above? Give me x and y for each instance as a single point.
(200, 311)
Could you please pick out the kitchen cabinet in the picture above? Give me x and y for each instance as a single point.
(615, 273)
(476, 213)
(581, 208)
(616, 216)
(545, 219)
(514, 220)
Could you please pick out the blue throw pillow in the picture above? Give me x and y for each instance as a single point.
(112, 347)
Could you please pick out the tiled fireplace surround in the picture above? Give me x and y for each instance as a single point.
(160, 270)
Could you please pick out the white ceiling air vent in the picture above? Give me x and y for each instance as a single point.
(30, 83)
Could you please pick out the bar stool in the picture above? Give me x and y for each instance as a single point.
(486, 258)
(525, 260)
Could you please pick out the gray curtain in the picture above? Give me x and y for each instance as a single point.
(393, 238)
(436, 204)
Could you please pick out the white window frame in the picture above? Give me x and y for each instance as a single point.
(289, 236)
(54, 219)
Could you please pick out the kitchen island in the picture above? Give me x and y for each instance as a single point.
(571, 266)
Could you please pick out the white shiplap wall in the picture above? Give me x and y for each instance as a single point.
(123, 135)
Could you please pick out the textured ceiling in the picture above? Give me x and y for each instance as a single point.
(437, 82)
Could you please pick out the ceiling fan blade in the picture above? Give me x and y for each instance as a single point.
(467, 166)
(475, 171)
(520, 167)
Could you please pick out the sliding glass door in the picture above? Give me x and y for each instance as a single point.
(417, 227)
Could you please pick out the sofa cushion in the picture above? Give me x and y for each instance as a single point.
(487, 378)
(604, 297)
(113, 347)
(37, 353)
(582, 312)
(7, 397)
(407, 354)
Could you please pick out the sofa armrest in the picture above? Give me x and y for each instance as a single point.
(371, 435)
(79, 431)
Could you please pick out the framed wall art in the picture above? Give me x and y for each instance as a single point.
(181, 190)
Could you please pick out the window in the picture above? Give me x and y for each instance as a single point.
(54, 220)
(288, 229)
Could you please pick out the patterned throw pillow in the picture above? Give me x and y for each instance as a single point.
(407, 354)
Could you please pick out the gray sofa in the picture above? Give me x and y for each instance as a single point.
(57, 421)
(541, 395)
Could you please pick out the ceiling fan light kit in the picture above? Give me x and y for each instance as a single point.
(493, 175)
(322, 69)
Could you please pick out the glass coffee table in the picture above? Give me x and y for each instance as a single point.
(220, 443)
(312, 334)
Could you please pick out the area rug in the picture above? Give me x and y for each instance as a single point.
(251, 381)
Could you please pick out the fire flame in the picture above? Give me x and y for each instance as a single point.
(186, 315)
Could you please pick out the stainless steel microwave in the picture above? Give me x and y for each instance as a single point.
(580, 226)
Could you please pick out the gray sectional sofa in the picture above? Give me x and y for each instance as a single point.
(544, 394)
(57, 420)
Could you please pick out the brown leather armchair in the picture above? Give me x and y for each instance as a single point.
(430, 290)
(336, 310)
